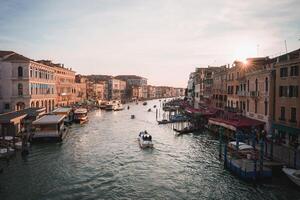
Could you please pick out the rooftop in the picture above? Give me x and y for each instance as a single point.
(49, 119)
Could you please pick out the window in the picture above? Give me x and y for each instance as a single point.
(283, 91)
(283, 72)
(267, 84)
(256, 85)
(20, 71)
(20, 89)
(282, 113)
(293, 115)
(6, 106)
(294, 71)
(248, 85)
(266, 108)
(255, 106)
(293, 91)
(236, 89)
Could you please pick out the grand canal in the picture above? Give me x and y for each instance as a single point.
(102, 160)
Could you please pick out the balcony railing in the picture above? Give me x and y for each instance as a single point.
(254, 94)
(241, 93)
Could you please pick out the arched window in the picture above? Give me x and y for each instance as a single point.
(20, 89)
(20, 71)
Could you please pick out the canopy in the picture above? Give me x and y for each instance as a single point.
(49, 119)
(234, 124)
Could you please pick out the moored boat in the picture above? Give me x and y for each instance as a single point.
(145, 140)
(293, 175)
(49, 128)
(145, 103)
(65, 111)
(80, 115)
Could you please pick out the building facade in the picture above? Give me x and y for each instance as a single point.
(65, 83)
(25, 83)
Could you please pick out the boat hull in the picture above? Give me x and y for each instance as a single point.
(289, 172)
(145, 144)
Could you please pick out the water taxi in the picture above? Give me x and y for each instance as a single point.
(49, 128)
(80, 115)
(145, 140)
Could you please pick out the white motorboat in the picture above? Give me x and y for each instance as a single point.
(145, 140)
(293, 174)
(6, 152)
(80, 115)
(118, 107)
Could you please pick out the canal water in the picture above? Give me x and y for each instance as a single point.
(102, 160)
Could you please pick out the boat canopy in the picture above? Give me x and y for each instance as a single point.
(80, 111)
(49, 119)
(242, 145)
(62, 110)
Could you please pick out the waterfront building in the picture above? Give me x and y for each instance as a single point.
(235, 94)
(286, 100)
(132, 83)
(132, 80)
(191, 88)
(219, 88)
(203, 89)
(144, 92)
(25, 83)
(80, 88)
(116, 89)
(255, 89)
(136, 93)
(151, 92)
(65, 83)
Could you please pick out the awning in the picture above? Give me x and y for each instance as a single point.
(288, 129)
(234, 124)
(49, 119)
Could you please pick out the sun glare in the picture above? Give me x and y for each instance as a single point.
(244, 51)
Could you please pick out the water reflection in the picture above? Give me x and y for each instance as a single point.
(102, 160)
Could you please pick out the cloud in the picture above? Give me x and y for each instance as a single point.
(153, 38)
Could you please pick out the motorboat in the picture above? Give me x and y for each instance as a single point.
(145, 103)
(293, 174)
(149, 110)
(145, 140)
(49, 128)
(103, 105)
(118, 107)
(132, 116)
(80, 115)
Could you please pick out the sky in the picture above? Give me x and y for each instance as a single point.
(162, 40)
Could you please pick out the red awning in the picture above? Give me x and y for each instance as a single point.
(234, 124)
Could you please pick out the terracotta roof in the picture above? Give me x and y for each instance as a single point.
(16, 57)
(125, 77)
(6, 53)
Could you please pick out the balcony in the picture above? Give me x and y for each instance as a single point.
(241, 93)
(254, 94)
